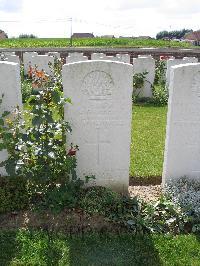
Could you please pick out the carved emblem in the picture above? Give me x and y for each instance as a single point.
(97, 85)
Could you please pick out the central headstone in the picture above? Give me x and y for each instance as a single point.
(145, 64)
(100, 117)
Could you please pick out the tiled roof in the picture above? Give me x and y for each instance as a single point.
(195, 36)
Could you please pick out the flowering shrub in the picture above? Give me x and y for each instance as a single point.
(37, 145)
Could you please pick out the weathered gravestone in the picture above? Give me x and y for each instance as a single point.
(182, 146)
(56, 55)
(123, 58)
(43, 62)
(100, 116)
(102, 56)
(97, 56)
(10, 87)
(75, 57)
(144, 64)
(174, 62)
(13, 58)
(27, 60)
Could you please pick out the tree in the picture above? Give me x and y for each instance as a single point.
(27, 36)
(176, 34)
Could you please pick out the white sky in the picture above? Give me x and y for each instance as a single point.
(117, 17)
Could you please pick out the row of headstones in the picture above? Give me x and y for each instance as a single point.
(144, 63)
(100, 117)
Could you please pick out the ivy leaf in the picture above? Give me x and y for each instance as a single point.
(36, 121)
(5, 113)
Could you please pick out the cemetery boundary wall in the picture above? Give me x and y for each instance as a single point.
(133, 52)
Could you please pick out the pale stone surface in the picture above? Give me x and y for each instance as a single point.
(10, 86)
(13, 58)
(9, 53)
(54, 54)
(124, 58)
(100, 117)
(75, 54)
(27, 60)
(145, 55)
(42, 63)
(75, 57)
(182, 146)
(102, 56)
(175, 62)
(97, 56)
(145, 64)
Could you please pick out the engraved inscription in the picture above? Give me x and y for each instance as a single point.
(97, 85)
(196, 85)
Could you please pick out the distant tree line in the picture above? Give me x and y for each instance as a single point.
(27, 36)
(175, 34)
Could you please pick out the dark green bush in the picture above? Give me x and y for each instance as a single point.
(13, 194)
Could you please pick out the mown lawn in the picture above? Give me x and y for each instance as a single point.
(39, 248)
(148, 139)
(89, 42)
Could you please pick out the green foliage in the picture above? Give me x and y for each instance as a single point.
(27, 36)
(99, 200)
(160, 95)
(89, 42)
(162, 216)
(37, 147)
(147, 140)
(26, 247)
(139, 80)
(27, 90)
(13, 194)
(159, 91)
(177, 34)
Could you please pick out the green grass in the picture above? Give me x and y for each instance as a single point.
(36, 248)
(148, 139)
(89, 42)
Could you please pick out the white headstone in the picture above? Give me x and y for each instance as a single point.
(144, 55)
(145, 64)
(75, 54)
(100, 117)
(102, 56)
(10, 87)
(8, 53)
(13, 58)
(27, 58)
(123, 58)
(75, 57)
(182, 146)
(97, 56)
(175, 62)
(54, 54)
(43, 63)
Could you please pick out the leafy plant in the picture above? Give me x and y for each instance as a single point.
(37, 147)
(139, 80)
(159, 91)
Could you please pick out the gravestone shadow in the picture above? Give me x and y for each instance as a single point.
(114, 250)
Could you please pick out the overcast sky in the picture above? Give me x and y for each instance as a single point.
(46, 18)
